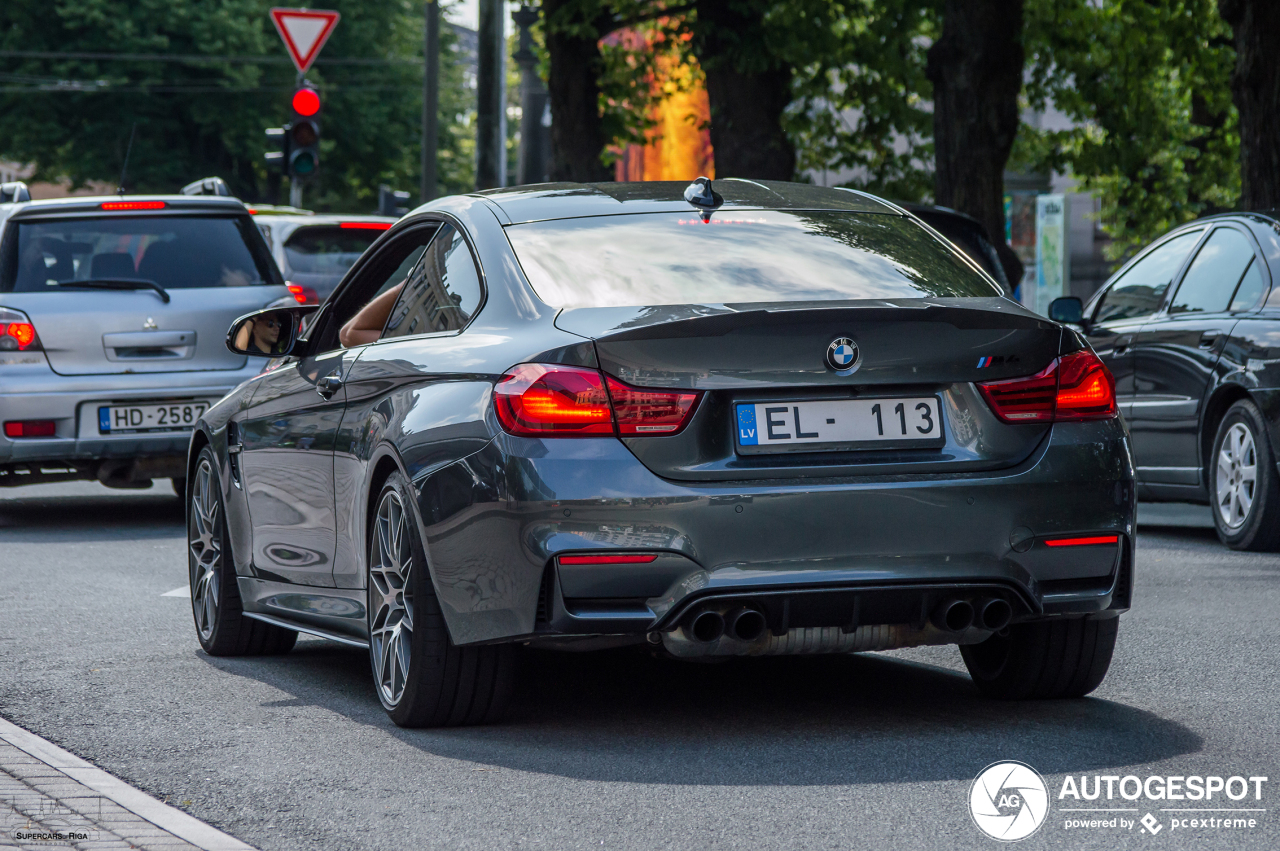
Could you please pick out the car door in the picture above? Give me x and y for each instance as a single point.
(1177, 354)
(1128, 302)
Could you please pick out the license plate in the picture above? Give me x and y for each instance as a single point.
(127, 419)
(839, 424)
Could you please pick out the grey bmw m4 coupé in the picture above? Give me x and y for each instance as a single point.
(729, 419)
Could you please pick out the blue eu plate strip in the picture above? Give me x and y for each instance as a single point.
(104, 419)
(747, 434)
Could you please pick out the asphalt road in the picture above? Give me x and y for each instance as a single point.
(618, 750)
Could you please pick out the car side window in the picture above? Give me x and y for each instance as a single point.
(1141, 289)
(1215, 274)
(441, 294)
(1251, 288)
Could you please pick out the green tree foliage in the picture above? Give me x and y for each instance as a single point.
(72, 117)
(1148, 82)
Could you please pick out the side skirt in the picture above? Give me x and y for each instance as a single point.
(309, 630)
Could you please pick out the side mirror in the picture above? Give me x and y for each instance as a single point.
(1067, 309)
(269, 333)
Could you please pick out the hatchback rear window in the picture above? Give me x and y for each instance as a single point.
(176, 252)
(738, 257)
(327, 250)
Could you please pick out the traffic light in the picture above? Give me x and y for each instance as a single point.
(278, 137)
(303, 151)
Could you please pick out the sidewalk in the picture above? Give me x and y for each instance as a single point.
(50, 798)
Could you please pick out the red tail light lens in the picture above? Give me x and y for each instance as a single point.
(133, 205)
(303, 295)
(609, 559)
(17, 332)
(1084, 542)
(643, 411)
(1077, 386)
(365, 226)
(29, 428)
(550, 400)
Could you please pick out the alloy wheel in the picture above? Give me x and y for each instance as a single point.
(1236, 476)
(205, 544)
(390, 599)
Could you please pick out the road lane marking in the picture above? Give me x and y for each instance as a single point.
(184, 591)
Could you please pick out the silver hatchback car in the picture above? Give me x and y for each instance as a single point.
(113, 319)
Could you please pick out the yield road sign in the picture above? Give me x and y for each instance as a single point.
(304, 32)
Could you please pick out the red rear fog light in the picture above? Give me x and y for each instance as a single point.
(29, 428)
(608, 559)
(1090, 541)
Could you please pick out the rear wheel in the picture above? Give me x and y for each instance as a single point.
(1243, 486)
(422, 678)
(1045, 659)
(221, 626)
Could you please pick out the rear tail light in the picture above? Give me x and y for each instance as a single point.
(1074, 387)
(16, 332)
(552, 400)
(540, 400)
(642, 411)
(303, 295)
(29, 428)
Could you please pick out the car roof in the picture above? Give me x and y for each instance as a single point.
(574, 200)
(82, 205)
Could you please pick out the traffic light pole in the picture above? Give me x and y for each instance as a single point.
(491, 142)
(430, 97)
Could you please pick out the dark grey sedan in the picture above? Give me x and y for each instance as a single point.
(751, 419)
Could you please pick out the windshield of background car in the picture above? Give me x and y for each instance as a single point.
(177, 252)
(758, 256)
(328, 251)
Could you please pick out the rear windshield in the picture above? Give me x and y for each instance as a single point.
(177, 252)
(328, 251)
(675, 258)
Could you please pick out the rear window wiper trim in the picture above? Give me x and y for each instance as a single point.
(119, 284)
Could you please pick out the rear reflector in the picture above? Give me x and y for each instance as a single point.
(29, 428)
(552, 400)
(1083, 542)
(1074, 387)
(133, 205)
(643, 411)
(365, 225)
(612, 559)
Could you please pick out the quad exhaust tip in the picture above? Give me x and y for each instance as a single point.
(706, 626)
(953, 615)
(745, 624)
(995, 614)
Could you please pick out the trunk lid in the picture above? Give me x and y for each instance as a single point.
(776, 354)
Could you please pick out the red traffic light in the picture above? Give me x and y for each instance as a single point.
(306, 102)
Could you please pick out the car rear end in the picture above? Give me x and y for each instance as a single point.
(114, 316)
(806, 432)
(314, 252)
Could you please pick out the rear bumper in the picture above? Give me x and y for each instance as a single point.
(72, 403)
(494, 555)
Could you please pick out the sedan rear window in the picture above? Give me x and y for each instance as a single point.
(176, 252)
(738, 257)
(327, 250)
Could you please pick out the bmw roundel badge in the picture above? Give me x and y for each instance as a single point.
(842, 354)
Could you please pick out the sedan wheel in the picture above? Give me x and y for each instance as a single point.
(221, 626)
(390, 600)
(1242, 481)
(423, 679)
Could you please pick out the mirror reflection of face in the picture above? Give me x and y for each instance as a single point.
(266, 332)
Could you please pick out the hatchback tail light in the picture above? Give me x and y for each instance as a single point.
(303, 295)
(553, 400)
(1074, 387)
(16, 332)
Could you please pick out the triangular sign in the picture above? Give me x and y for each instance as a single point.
(304, 32)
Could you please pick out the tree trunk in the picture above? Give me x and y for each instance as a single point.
(747, 88)
(577, 132)
(976, 71)
(1255, 88)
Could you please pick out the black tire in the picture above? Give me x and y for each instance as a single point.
(221, 626)
(444, 685)
(1258, 528)
(1044, 659)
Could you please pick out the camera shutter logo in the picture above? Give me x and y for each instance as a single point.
(1008, 801)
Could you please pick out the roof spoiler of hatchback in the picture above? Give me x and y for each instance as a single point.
(207, 186)
(12, 193)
